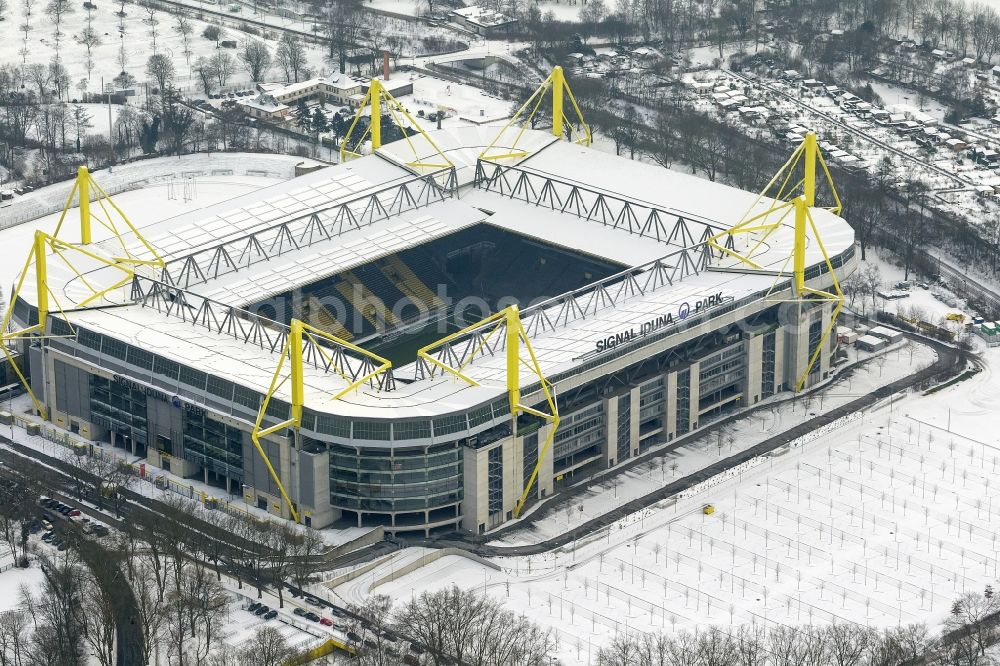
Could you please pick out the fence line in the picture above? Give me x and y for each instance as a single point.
(161, 480)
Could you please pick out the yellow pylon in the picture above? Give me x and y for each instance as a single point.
(374, 98)
(556, 82)
(798, 198)
(299, 333)
(517, 341)
(52, 247)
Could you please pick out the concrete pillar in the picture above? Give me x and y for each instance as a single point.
(670, 394)
(633, 422)
(695, 371)
(610, 451)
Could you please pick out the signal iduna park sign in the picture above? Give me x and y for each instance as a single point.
(662, 321)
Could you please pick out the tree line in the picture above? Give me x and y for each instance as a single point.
(965, 640)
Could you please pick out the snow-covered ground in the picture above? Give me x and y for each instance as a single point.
(136, 41)
(884, 520)
(11, 581)
(717, 444)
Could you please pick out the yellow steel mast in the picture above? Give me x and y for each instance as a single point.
(376, 96)
(556, 82)
(518, 352)
(52, 247)
(783, 202)
(299, 334)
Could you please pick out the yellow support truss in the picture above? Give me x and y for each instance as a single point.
(508, 320)
(797, 198)
(48, 248)
(376, 96)
(556, 82)
(299, 334)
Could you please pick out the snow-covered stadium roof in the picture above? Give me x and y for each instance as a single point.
(317, 225)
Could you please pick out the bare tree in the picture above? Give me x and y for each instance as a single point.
(151, 21)
(256, 58)
(56, 10)
(847, 644)
(90, 39)
(291, 56)
(99, 622)
(372, 625)
(207, 72)
(305, 549)
(183, 27)
(223, 65)
(58, 637)
(475, 630)
(161, 69)
(267, 647)
(14, 637)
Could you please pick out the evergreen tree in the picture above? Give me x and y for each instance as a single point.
(303, 119)
(319, 123)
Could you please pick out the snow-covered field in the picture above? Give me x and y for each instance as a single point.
(717, 444)
(136, 41)
(884, 520)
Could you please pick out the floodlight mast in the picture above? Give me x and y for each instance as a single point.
(334, 354)
(53, 247)
(799, 199)
(518, 352)
(522, 119)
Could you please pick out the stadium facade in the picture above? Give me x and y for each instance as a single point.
(645, 331)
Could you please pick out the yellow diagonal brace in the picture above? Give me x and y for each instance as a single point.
(291, 352)
(374, 98)
(258, 433)
(516, 341)
(556, 82)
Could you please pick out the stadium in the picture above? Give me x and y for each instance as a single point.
(438, 333)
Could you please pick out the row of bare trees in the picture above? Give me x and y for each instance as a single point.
(969, 632)
(452, 625)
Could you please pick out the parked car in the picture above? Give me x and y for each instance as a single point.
(326, 622)
(312, 617)
(300, 611)
(261, 611)
(270, 615)
(254, 606)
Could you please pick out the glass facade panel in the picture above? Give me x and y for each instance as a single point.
(213, 445)
(449, 425)
(495, 480)
(411, 430)
(683, 401)
(167, 368)
(119, 408)
(624, 427)
(768, 363)
(400, 480)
